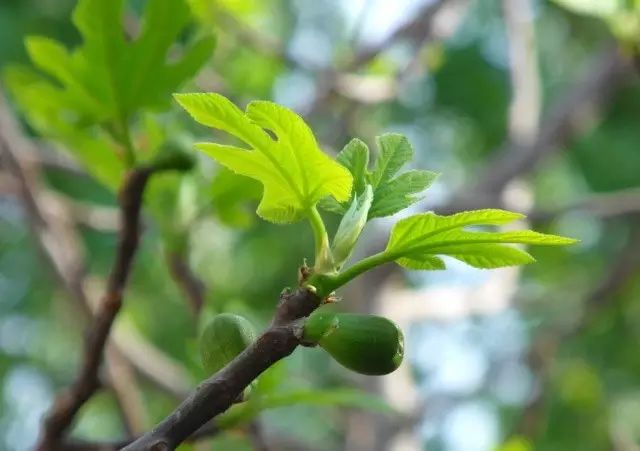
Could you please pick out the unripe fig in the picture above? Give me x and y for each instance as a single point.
(367, 344)
(226, 336)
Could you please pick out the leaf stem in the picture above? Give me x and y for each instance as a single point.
(323, 261)
(325, 284)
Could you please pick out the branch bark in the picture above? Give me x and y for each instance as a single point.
(56, 232)
(205, 432)
(67, 404)
(216, 394)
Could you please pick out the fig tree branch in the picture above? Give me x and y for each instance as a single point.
(216, 394)
(56, 232)
(67, 404)
(207, 431)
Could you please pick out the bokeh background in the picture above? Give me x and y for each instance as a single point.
(529, 105)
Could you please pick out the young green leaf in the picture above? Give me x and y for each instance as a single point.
(108, 78)
(105, 80)
(391, 193)
(231, 195)
(355, 157)
(416, 241)
(42, 104)
(485, 256)
(395, 152)
(293, 170)
(351, 226)
(400, 192)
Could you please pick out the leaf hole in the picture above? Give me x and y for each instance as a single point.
(271, 134)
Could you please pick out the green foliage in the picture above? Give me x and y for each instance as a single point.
(391, 192)
(343, 397)
(293, 170)
(296, 175)
(229, 195)
(458, 112)
(108, 77)
(416, 241)
(106, 80)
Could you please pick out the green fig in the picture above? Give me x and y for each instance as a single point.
(224, 337)
(366, 344)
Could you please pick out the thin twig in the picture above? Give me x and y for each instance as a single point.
(67, 404)
(216, 394)
(56, 231)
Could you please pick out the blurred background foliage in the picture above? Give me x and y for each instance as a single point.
(540, 358)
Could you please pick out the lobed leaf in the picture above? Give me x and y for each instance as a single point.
(294, 172)
(109, 77)
(400, 193)
(391, 193)
(106, 79)
(417, 240)
(355, 157)
(395, 152)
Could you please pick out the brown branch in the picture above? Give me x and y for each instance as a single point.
(216, 394)
(67, 404)
(56, 232)
(49, 218)
(205, 432)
